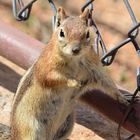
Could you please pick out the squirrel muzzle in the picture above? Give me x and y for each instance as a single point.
(76, 49)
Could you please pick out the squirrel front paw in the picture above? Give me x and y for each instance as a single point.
(76, 83)
(73, 83)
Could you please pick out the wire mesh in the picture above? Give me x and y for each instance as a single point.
(20, 11)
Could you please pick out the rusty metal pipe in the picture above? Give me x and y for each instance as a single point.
(114, 110)
(18, 47)
(23, 50)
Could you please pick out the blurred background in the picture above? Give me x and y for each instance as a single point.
(112, 20)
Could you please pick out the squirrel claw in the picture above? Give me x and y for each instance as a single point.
(130, 96)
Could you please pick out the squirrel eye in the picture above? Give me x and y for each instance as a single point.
(87, 35)
(62, 33)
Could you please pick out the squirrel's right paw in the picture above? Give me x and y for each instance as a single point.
(73, 83)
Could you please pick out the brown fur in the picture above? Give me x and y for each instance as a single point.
(44, 70)
(45, 99)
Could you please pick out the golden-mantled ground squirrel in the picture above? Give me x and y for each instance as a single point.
(45, 99)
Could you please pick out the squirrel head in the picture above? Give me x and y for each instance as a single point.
(72, 33)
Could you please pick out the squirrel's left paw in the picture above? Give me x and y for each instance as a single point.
(122, 99)
(130, 96)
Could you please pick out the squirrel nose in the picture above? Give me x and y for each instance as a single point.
(76, 49)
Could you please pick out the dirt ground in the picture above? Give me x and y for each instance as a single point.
(114, 22)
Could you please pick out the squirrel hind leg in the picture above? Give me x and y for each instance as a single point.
(65, 129)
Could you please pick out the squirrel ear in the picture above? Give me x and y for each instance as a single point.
(85, 14)
(61, 15)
